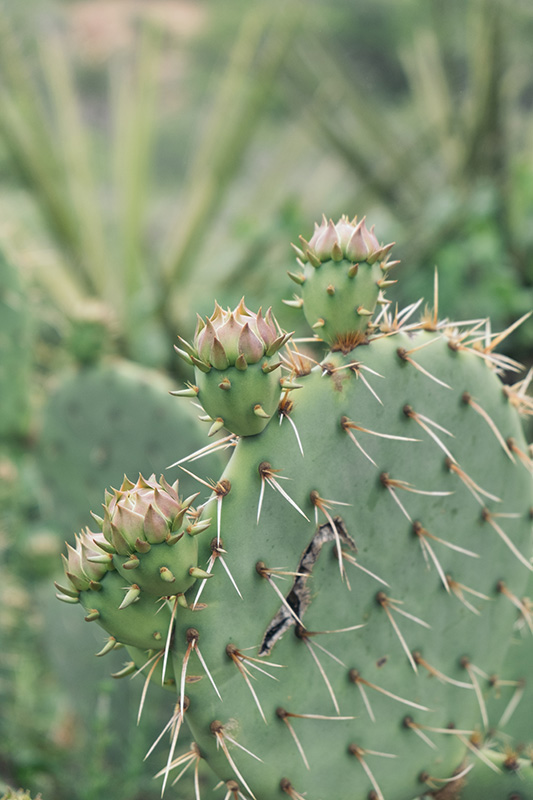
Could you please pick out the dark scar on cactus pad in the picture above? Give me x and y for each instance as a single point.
(299, 596)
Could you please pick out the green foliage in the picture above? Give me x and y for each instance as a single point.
(15, 351)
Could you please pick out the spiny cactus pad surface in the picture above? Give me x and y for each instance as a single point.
(362, 574)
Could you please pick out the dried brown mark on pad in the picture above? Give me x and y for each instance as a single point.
(298, 598)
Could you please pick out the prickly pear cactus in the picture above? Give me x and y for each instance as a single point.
(15, 351)
(362, 562)
(104, 420)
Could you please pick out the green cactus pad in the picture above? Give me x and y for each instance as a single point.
(432, 548)
(102, 422)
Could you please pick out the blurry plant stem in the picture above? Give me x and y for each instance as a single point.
(134, 100)
(263, 41)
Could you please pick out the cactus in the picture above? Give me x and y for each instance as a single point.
(15, 351)
(102, 421)
(362, 562)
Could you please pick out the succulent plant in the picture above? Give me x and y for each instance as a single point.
(350, 625)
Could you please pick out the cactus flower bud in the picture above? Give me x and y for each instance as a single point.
(344, 269)
(141, 521)
(240, 345)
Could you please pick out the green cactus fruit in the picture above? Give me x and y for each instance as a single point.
(154, 545)
(235, 355)
(120, 608)
(15, 351)
(106, 420)
(344, 273)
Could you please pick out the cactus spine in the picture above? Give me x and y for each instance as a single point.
(363, 561)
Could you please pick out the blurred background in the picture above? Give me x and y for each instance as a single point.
(155, 154)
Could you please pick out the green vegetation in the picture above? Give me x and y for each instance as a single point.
(153, 157)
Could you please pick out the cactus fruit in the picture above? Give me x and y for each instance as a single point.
(375, 543)
(234, 355)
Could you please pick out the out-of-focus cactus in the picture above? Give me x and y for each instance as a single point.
(362, 563)
(15, 351)
(102, 421)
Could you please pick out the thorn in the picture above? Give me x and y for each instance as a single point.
(469, 400)
(459, 588)
(176, 722)
(266, 573)
(285, 408)
(403, 354)
(519, 604)
(267, 368)
(191, 391)
(503, 335)
(513, 704)
(128, 669)
(424, 423)
(353, 270)
(217, 425)
(438, 674)
(297, 277)
(471, 485)
(192, 756)
(478, 753)
(313, 258)
(318, 324)
(283, 715)
(359, 752)
(302, 635)
(92, 615)
(486, 516)
(432, 782)
(218, 730)
(197, 572)
(132, 595)
(323, 505)
(267, 474)
(347, 423)
(238, 659)
(289, 385)
(166, 575)
(220, 444)
(389, 605)
(109, 645)
(259, 411)
(356, 678)
(297, 302)
(286, 786)
(352, 560)
(465, 663)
